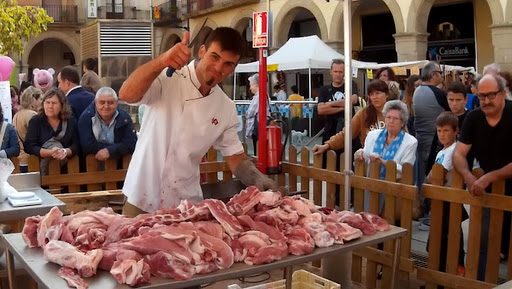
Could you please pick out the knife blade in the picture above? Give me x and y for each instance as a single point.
(171, 70)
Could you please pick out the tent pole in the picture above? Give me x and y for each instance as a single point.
(234, 85)
(311, 116)
(339, 268)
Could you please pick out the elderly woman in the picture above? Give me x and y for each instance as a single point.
(30, 101)
(367, 119)
(392, 142)
(251, 130)
(52, 133)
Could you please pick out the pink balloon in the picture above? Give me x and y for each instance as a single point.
(6, 67)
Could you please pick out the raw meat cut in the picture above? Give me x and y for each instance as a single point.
(73, 280)
(65, 254)
(221, 214)
(131, 272)
(352, 219)
(46, 223)
(299, 241)
(241, 203)
(29, 232)
(273, 233)
(379, 223)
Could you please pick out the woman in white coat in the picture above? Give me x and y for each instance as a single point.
(391, 143)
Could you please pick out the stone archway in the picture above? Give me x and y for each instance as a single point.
(286, 15)
(336, 27)
(420, 9)
(239, 22)
(169, 40)
(74, 46)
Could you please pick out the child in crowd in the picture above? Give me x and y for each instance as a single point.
(447, 125)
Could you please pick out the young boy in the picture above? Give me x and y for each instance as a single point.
(447, 125)
(457, 99)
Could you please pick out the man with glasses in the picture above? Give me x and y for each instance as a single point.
(428, 102)
(186, 114)
(487, 133)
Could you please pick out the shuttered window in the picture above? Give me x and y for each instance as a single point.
(125, 39)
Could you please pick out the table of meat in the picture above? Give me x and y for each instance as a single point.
(45, 273)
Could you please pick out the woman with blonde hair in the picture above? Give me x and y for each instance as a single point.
(30, 100)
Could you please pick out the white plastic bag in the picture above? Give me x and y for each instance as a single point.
(6, 168)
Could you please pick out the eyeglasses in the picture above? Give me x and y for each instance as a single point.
(490, 95)
(438, 71)
(392, 118)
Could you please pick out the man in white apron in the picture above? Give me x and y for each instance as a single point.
(186, 114)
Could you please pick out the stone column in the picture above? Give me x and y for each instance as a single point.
(411, 46)
(502, 42)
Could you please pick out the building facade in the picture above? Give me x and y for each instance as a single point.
(461, 32)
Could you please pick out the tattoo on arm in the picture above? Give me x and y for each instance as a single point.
(247, 172)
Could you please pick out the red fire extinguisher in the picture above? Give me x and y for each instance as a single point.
(274, 148)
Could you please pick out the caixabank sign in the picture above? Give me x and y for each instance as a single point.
(461, 50)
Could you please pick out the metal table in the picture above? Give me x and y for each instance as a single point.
(28, 182)
(45, 273)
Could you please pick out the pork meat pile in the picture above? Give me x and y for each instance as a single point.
(253, 227)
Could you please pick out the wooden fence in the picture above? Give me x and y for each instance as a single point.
(455, 195)
(400, 196)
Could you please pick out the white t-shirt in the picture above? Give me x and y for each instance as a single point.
(179, 127)
(281, 95)
(444, 157)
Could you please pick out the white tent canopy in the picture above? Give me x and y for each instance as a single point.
(308, 52)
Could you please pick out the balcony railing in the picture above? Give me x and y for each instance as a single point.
(62, 13)
(123, 12)
(197, 7)
(167, 14)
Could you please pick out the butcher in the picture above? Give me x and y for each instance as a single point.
(186, 114)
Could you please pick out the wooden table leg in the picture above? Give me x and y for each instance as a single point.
(396, 262)
(288, 271)
(11, 270)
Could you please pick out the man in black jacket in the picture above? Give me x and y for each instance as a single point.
(105, 129)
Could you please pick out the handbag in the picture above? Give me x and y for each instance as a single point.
(53, 142)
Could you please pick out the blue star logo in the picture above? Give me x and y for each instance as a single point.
(433, 51)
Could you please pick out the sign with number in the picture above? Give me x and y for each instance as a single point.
(260, 29)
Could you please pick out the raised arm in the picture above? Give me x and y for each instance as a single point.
(140, 80)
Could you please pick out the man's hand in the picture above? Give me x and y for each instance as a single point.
(264, 184)
(320, 149)
(102, 155)
(477, 188)
(179, 54)
(354, 99)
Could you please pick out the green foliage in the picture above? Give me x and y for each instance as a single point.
(18, 23)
